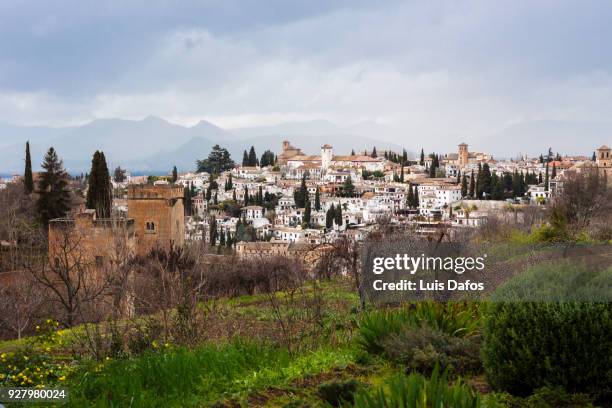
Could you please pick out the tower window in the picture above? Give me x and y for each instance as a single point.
(150, 227)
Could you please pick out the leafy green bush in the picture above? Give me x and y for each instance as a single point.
(544, 397)
(424, 348)
(338, 392)
(554, 341)
(416, 391)
(454, 318)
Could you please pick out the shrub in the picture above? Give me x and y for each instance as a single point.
(551, 339)
(416, 391)
(454, 318)
(423, 348)
(338, 392)
(545, 397)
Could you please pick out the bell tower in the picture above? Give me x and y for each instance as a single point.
(463, 154)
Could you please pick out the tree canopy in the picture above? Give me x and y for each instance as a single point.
(218, 160)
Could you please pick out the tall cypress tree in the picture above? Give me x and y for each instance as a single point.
(546, 178)
(317, 202)
(422, 161)
(374, 155)
(416, 197)
(464, 186)
(329, 216)
(486, 179)
(472, 190)
(301, 195)
(554, 171)
(212, 231)
(338, 215)
(187, 200)
(252, 157)
(99, 192)
(479, 186)
(53, 194)
(28, 180)
(245, 158)
(307, 213)
(402, 174)
(174, 174)
(410, 197)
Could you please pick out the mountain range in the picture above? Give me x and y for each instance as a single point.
(154, 145)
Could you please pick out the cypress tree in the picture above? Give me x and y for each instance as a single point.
(301, 195)
(252, 157)
(464, 186)
(99, 192)
(516, 184)
(409, 197)
(53, 194)
(539, 178)
(187, 200)
(546, 178)
(554, 171)
(329, 217)
(229, 183)
(374, 155)
(416, 197)
(28, 180)
(402, 174)
(594, 157)
(245, 158)
(422, 161)
(472, 185)
(497, 187)
(458, 176)
(353, 152)
(174, 174)
(234, 195)
(317, 202)
(212, 231)
(338, 215)
(307, 215)
(486, 179)
(479, 182)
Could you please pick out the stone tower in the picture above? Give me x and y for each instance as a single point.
(603, 157)
(159, 216)
(326, 156)
(463, 154)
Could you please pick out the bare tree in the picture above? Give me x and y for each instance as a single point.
(585, 199)
(20, 300)
(69, 277)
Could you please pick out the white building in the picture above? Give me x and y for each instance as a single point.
(252, 212)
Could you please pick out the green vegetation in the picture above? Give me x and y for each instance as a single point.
(544, 328)
(417, 391)
(425, 354)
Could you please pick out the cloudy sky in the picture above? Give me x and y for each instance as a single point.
(433, 68)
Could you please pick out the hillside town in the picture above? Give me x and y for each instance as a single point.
(292, 203)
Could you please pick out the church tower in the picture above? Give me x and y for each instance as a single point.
(326, 156)
(603, 157)
(463, 154)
